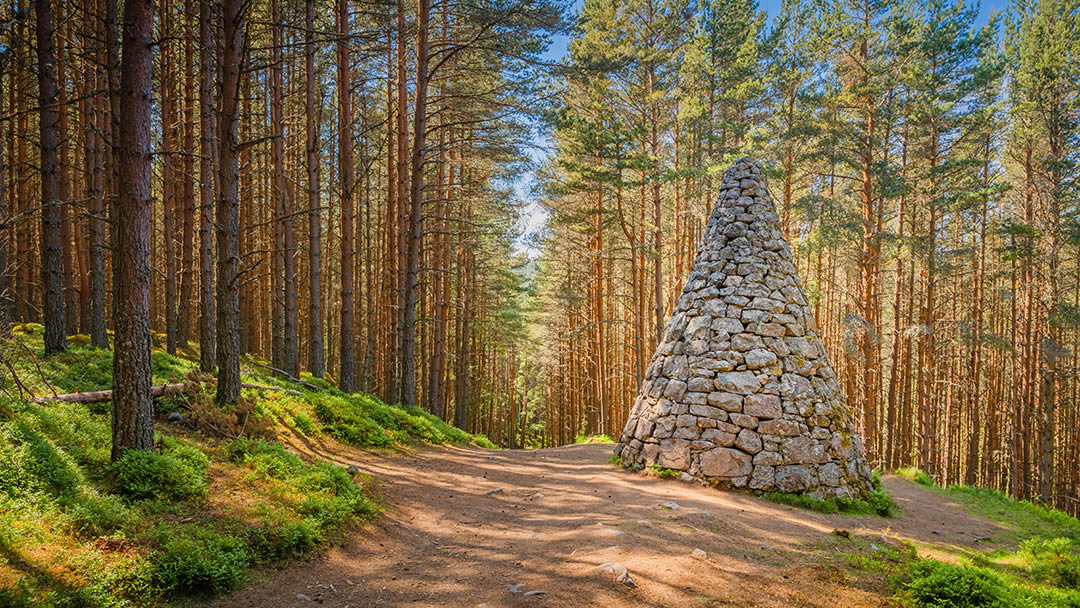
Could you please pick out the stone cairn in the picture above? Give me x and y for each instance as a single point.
(740, 392)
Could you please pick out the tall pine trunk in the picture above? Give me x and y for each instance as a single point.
(228, 207)
(187, 203)
(6, 300)
(96, 223)
(416, 199)
(168, 175)
(401, 174)
(133, 407)
(316, 363)
(284, 260)
(52, 277)
(207, 338)
(346, 374)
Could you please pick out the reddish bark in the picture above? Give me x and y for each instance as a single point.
(228, 207)
(133, 408)
(346, 375)
(52, 277)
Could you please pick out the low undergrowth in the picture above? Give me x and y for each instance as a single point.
(929, 583)
(220, 495)
(1038, 566)
(917, 475)
(587, 439)
(659, 471)
(191, 518)
(363, 420)
(876, 503)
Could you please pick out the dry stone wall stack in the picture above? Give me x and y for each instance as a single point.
(740, 392)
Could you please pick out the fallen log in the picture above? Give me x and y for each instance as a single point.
(287, 375)
(162, 390)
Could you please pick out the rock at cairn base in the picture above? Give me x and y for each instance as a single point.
(740, 392)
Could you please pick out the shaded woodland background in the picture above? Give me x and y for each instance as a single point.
(922, 155)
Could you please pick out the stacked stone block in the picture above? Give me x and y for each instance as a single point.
(740, 392)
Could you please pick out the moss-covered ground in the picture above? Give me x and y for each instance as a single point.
(1033, 563)
(220, 497)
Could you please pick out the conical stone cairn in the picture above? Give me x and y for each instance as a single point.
(740, 392)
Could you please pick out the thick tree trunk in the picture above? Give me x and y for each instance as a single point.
(316, 363)
(52, 277)
(464, 331)
(868, 267)
(975, 401)
(436, 402)
(133, 407)
(388, 316)
(207, 339)
(347, 369)
(228, 207)
(658, 242)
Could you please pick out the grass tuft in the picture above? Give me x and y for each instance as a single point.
(1043, 571)
(877, 503)
(917, 475)
(583, 438)
(659, 471)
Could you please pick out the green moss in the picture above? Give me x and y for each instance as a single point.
(877, 503)
(934, 584)
(917, 475)
(189, 519)
(330, 496)
(363, 420)
(304, 423)
(29, 329)
(322, 383)
(659, 470)
(879, 559)
(583, 438)
(1043, 572)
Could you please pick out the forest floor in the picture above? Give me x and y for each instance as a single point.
(466, 527)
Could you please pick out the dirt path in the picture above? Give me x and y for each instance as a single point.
(463, 524)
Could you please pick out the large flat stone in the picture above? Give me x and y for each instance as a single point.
(727, 401)
(674, 454)
(762, 406)
(725, 463)
(781, 427)
(743, 383)
(803, 450)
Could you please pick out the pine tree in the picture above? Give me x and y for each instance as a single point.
(133, 407)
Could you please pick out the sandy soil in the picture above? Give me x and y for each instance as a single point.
(462, 525)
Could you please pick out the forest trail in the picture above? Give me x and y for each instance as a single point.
(463, 524)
